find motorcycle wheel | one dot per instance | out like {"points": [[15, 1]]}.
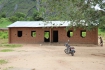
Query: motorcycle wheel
{"points": [[65, 51], [72, 53]]}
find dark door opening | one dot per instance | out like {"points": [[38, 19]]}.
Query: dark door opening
{"points": [[55, 36], [46, 36]]}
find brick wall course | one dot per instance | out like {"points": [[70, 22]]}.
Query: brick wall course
{"points": [[91, 36]]}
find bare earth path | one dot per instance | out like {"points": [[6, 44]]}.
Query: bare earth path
{"points": [[36, 57]]}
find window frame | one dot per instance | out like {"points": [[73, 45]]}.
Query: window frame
{"points": [[69, 33], [82, 33], [33, 33], [19, 33]]}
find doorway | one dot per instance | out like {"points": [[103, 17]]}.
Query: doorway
{"points": [[55, 36], [46, 36]]}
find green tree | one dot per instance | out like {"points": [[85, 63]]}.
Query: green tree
{"points": [[13, 19], [19, 15], [3, 15], [36, 16], [79, 12]]}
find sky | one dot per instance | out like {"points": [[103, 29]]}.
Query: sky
{"points": [[97, 6]]}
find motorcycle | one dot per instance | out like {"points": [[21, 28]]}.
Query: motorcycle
{"points": [[69, 49]]}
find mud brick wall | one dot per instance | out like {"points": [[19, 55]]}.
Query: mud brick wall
{"points": [[91, 36]]}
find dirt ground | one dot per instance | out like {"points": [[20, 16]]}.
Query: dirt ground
{"points": [[49, 57]]}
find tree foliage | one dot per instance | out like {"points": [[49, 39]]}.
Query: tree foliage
{"points": [[17, 17], [13, 19], [77, 11], [37, 16], [3, 15]]}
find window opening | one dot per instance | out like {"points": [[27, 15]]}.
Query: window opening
{"points": [[46, 36], [19, 34], [83, 33], [70, 33], [33, 33]]}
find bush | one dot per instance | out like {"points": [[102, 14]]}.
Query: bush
{"points": [[3, 15], [37, 16], [21, 19], [29, 19], [13, 19], [19, 15], [4, 22], [3, 35]]}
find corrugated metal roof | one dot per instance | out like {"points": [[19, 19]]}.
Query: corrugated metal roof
{"points": [[40, 24]]}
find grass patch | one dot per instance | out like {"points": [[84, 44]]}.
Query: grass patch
{"points": [[6, 50], [10, 45], [1, 45], [4, 35], [3, 41], [8, 68], [101, 33], [3, 62]]}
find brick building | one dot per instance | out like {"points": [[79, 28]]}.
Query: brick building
{"points": [[31, 32]]}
